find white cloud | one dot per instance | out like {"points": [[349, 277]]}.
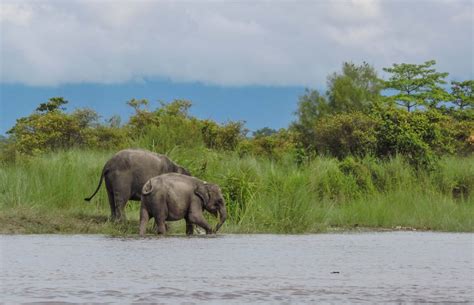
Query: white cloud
{"points": [[15, 13], [226, 43]]}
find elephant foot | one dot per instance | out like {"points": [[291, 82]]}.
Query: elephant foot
{"points": [[210, 231]]}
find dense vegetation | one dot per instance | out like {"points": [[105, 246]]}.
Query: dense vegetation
{"points": [[367, 153]]}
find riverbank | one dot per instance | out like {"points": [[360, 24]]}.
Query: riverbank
{"points": [[25, 221], [45, 194], [20, 223]]}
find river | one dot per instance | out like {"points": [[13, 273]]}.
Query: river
{"points": [[239, 269]]}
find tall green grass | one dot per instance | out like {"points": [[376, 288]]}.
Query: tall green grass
{"points": [[45, 194]]}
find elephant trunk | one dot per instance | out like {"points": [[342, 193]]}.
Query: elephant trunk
{"points": [[223, 217]]}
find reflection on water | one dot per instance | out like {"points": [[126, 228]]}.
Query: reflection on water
{"points": [[369, 267]]}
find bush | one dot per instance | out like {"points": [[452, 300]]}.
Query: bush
{"points": [[41, 132], [170, 132], [273, 146], [345, 134], [420, 136], [49, 128], [104, 137], [222, 137], [455, 177], [361, 173], [329, 182], [462, 134]]}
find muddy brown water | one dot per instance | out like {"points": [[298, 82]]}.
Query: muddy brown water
{"points": [[239, 269]]}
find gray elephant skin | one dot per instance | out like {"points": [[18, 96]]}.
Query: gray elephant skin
{"points": [[172, 196], [126, 173]]}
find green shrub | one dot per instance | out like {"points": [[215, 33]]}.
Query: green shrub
{"points": [[169, 133], [455, 176], [360, 172], [330, 183], [41, 132], [273, 146], [50, 128], [392, 174], [420, 136], [345, 134], [104, 137], [222, 137]]}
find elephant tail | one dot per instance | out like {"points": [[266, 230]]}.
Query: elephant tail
{"points": [[147, 188], [98, 187]]}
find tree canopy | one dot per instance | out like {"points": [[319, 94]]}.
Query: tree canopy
{"points": [[463, 94], [354, 89], [416, 85]]}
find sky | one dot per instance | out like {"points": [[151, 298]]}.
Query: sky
{"points": [[235, 60]]}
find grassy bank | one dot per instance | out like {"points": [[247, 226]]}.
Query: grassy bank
{"points": [[45, 194]]}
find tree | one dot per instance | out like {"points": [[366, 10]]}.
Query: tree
{"points": [[274, 144], [462, 93], [137, 104], [53, 104], [436, 96], [222, 137], [86, 117], [142, 117], [50, 128], [416, 84], [47, 131], [355, 89], [264, 132], [311, 107], [114, 121], [175, 108]]}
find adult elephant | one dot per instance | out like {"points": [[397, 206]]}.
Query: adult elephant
{"points": [[172, 196], [126, 173]]}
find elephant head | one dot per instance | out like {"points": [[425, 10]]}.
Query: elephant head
{"points": [[212, 200], [183, 171]]}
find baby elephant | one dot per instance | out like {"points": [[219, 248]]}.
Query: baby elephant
{"points": [[174, 196]]}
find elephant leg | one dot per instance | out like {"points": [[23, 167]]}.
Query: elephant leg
{"points": [[160, 212], [144, 217], [198, 219], [118, 185], [121, 197], [189, 227], [160, 225], [167, 226], [195, 216], [120, 203], [110, 195]]}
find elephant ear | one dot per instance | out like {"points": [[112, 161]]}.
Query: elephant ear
{"points": [[147, 188], [202, 192]]}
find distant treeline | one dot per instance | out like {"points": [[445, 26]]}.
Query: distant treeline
{"points": [[414, 113], [361, 154]]}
